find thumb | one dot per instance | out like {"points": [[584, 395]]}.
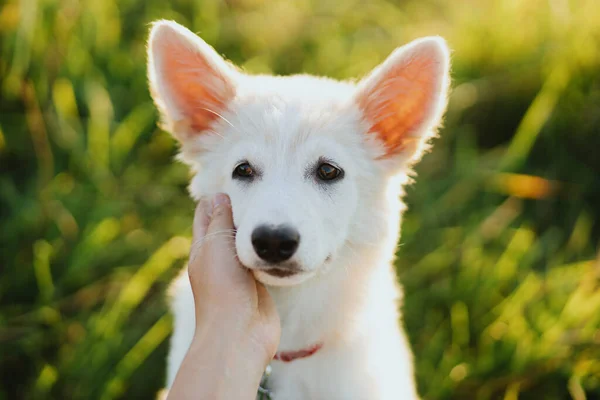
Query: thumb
{"points": [[266, 305]]}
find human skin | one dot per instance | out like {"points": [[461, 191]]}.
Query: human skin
{"points": [[237, 326]]}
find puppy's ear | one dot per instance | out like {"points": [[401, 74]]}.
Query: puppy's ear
{"points": [[404, 98], [189, 82]]}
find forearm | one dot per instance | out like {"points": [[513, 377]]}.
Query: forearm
{"points": [[219, 365]]}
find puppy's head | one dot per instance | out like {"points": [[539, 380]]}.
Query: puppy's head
{"points": [[306, 161]]}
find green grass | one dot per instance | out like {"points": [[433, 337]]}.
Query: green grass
{"points": [[499, 251]]}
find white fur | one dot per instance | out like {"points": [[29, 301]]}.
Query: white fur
{"points": [[348, 297]]}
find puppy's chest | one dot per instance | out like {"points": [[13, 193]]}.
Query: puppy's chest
{"points": [[316, 378], [319, 315]]}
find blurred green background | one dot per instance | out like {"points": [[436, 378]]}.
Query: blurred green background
{"points": [[499, 252]]}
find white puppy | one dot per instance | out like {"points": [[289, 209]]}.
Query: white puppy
{"points": [[314, 169]]}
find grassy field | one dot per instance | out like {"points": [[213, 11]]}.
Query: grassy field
{"points": [[499, 251]]}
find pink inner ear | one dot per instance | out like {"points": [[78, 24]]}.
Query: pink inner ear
{"points": [[200, 92], [401, 101]]}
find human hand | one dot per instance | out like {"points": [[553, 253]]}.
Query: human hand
{"points": [[237, 326], [226, 293]]}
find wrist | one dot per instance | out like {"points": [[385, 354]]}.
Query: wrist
{"points": [[235, 339], [224, 361], [245, 336], [236, 364]]}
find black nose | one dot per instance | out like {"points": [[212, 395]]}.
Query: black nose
{"points": [[275, 244]]}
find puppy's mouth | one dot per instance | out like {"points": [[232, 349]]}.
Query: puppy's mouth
{"points": [[284, 270], [281, 272], [281, 275]]}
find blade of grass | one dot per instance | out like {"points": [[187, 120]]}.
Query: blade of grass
{"points": [[135, 357]]}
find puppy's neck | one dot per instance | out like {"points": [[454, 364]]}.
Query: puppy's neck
{"points": [[339, 304]]}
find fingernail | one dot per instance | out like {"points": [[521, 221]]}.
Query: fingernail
{"points": [[220, 198]]}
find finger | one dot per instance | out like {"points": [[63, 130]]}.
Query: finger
{"points": [[221, 232], [266, 305], [269, 315], [202, 218], [221, 217], [220, 228], [200, 225]]}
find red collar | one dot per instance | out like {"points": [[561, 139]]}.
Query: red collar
{"points": [[287, 356]]}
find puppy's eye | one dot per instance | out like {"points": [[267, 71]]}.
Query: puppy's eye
{"points": [[327, 172], [243, 171]]}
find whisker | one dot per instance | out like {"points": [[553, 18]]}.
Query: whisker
{"points": [[197, 244], [223, 118]]}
